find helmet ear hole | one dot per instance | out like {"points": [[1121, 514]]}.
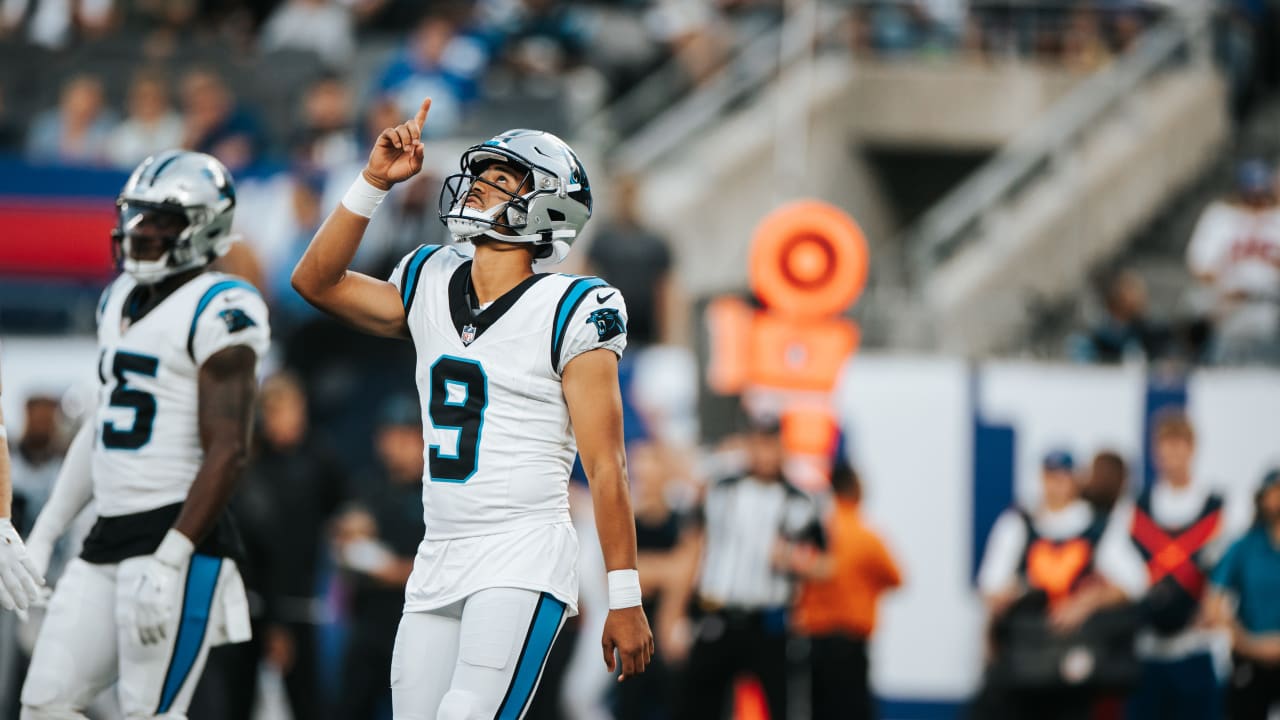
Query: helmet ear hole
{"points": [[555, 215]]}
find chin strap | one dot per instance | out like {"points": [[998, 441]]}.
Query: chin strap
{"points": [[559, 245]]}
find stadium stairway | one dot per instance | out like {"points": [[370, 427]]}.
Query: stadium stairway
{"points": [[1157, 250], [1080, 162], [779, 124], [1007, 247]]}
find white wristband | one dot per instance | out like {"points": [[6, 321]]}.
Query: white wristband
{"points": [[362, 198], [4, 434], [175, 549], [624, 589]]}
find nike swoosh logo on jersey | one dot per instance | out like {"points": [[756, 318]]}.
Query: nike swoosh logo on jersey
{"points": [[601, 298]]}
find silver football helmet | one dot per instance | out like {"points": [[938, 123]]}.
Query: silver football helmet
{"points": [[550, 212], [188, 198]]}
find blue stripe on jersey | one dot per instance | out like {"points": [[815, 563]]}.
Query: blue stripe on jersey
{"points": [[533, 657], [412, 272], [577, 290], [102, 301], [193, 624], [209, 295]]}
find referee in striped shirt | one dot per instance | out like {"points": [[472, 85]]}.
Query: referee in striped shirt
{"points": [[742, 595]]}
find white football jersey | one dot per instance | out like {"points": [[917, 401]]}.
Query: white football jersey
{"points": [[1240, 248], [499, 444], [147, 447]]}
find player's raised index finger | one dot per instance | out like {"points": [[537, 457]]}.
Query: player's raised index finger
{"points": [[421, 117]]}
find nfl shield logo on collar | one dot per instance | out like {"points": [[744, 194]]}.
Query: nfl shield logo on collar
{"points": [[468, 334]]}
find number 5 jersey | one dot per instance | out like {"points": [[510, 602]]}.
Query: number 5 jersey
{"points": [[147, 447], [499, 442]]}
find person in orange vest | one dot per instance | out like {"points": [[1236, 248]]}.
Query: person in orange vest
{"points": [[1158, 551], [836, 607], [1035, 560]]}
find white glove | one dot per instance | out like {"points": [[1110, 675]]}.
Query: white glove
{"points": [[159, 585], [41, 553], [20, 580], [366, 555]]}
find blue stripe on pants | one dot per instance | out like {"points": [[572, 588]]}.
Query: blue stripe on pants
{"points": [[197, 602], [537, 646]]}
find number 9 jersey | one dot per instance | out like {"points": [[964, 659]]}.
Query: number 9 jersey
{"points": [[499, 442], [147, 450]]}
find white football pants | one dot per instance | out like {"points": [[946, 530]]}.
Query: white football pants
{"points": [[477, 659], [89, 640]]}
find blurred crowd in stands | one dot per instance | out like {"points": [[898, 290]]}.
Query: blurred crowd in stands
{"points": [[102, 82]]}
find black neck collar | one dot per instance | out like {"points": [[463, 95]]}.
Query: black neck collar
{"points": [[469, 323], [145, 298]]}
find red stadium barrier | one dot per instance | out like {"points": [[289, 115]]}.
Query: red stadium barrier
{"points": [[56, 238]]}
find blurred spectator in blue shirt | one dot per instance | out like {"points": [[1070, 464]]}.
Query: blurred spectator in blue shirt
{"points": [[288, 309], [216, 124], [438, 62], [77, 132], [1247, 594], [152, 125]]}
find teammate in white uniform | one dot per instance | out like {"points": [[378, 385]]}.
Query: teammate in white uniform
{"points": [[1235, 251], [20, 579], [156, 584], [516, 372]]}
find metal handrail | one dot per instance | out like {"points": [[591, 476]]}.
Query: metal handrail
{"points": [[647, 97], [755, 65], [941, 231]]}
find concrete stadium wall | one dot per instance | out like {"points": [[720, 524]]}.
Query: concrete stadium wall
{"points": [[709, 195], [1042, 245]]}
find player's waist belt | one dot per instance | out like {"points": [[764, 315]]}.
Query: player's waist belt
{"points": [[120, 537]]}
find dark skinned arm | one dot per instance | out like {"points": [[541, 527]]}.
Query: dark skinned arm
{"points": [[226, 392], [590, 383]]}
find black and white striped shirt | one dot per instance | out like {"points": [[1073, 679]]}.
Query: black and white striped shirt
{"points": [[743, 519]]}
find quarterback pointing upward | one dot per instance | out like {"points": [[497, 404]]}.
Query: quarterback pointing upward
{"points": [[513, 368]]}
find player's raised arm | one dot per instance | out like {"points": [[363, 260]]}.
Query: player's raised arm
{"points": [[590, 383], [322, 276]]}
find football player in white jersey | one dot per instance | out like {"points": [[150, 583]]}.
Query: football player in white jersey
{"points": [[516, 372], [156, 584], [20, 579]]}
